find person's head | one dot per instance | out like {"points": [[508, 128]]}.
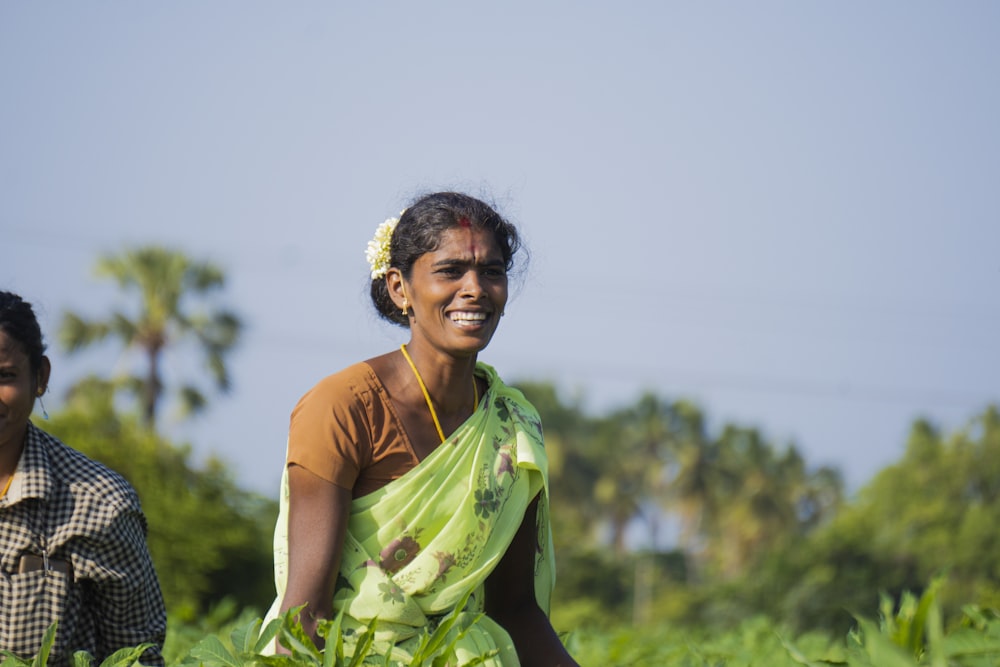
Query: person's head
{"points": [[445, 276], [18, 321], [24, 368], [420, 230]]}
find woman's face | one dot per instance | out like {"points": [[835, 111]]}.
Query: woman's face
{"points": [[18, 387], [457, 293]]}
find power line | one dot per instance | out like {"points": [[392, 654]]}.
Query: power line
{"points": [[685, 378]]}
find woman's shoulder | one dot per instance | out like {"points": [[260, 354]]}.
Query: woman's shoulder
{"points": [[497, 386], [357, 384], [511, 395]]}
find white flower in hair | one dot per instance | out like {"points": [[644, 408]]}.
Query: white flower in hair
{"points": [[377, 253]]}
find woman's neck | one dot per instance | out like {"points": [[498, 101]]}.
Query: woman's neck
{"points": [[10, 455], [448, 379]]}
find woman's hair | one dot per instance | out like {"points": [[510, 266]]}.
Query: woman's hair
{"points": [[18, 321], [420, 229]]}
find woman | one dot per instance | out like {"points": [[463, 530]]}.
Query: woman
{"points": [[417, 478], [72, 534]]}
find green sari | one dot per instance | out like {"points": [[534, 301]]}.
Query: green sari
{"points": [[416, 547]]}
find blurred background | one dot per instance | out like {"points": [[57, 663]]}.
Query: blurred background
{"points": [[768, 229]]}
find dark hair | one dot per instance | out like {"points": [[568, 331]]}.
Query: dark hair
{"points": [[18, 321], [419, 231]]}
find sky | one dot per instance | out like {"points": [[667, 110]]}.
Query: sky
{"points": [[787, 212]]}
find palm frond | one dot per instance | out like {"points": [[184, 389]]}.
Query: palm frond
{"points": [[76, 333]]}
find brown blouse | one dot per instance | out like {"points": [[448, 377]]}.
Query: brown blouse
{"points": [[346, 431]]}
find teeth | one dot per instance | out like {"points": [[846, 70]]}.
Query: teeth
{"points": [[468, 317]]}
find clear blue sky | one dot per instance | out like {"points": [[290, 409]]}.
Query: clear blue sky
{"points": [[787, 211]]}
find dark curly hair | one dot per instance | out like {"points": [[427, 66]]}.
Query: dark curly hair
{"points": [[419, 231], [17, 320]]}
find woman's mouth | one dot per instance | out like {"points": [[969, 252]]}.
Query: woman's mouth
{"points": [[466, 318]]}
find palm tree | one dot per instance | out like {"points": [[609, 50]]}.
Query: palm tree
{"points": [[767, 498], [165, 280], [696, 481], [636, 445], [618, 490]]}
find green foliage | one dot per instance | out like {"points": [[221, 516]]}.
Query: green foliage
{"points": [[654, 465], [40, 659], [184, 632], [735, 494], [915, 634], [246, 646], [759, 530], [934, 511], [125, 657], [208, 539], [910, 634]]}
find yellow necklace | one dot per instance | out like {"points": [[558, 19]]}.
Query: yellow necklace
{"points": [[427, 396], [6, 487]]}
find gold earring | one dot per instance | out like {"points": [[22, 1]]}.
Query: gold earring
{"points": [[405, 313]]}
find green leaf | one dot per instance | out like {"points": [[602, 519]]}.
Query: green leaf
{"points": [[448, 652], [481, 659], [926, 609], [11, 660], [882, 650], [293, 637], [333, 655], [935, 635], [245, 638], [48, 639], [441, 632], [364, 646], [300, 646], [126, 657], [280, 660], [82, 659], [212, 651], [797, 655], [267, 635], [966, 643]]}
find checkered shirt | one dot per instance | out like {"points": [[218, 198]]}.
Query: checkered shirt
{"points": [[73, 549]]}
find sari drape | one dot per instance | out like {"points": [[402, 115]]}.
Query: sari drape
{"points": [[416, 547]]}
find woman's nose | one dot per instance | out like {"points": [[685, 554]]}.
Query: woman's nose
{"points": [[472, 284]]}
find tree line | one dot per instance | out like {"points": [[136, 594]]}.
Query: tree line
{"points": [[753, 528]]}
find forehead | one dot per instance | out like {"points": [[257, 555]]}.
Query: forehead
{"points": [[468, 242], [11, 349]]}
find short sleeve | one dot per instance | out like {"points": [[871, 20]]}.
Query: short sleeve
{"points": [[329, 432], [129, 606]]}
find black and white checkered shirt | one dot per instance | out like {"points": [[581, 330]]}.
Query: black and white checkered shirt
{"points": [[73, 549]]}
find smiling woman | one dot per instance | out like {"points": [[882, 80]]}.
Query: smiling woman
{"points": [[418, 479]]}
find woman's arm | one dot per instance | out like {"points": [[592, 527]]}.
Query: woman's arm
{"points": [[510, 601], [317, 522]]}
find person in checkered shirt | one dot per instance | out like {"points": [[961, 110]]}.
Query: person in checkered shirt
{"points": [[72, 533]]}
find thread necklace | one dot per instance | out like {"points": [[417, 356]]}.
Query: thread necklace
{"points": [[427, 396], [6, 487]]}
